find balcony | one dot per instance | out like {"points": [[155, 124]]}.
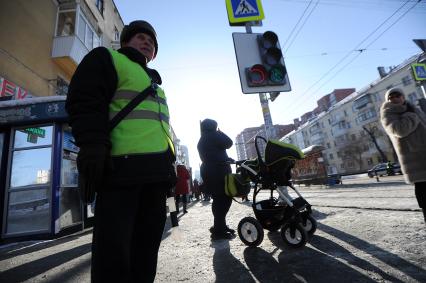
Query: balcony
{"points": [[340, 128], [68, 51], [367, 116], [363, 101], [317, 138]]}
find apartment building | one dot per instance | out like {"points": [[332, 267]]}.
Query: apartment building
{"points": [[350, 129], [41, 44], [245, 141]]}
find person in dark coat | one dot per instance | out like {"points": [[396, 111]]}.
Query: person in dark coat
{"points": [[215, 166]]}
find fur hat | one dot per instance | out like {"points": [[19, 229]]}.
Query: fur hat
{"points": [[392, 91], [136, 27]]}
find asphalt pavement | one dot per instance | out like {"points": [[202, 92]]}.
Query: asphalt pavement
{"points": [[368, 231]]}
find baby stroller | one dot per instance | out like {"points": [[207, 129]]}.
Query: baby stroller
{"points": [[273, 173]]}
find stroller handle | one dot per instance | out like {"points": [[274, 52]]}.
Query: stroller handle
{"points": [[257, 149]]}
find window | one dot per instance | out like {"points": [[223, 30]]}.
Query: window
{"points": [[87, 34], [366, 115], [406, 81], [370, 161], [331, 156], [328, 145], [353, 137], [61, 86], [116, 34], [66, 23], [100, 6], [412, 97]]}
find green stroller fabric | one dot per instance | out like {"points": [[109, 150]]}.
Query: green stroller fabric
{"points": [[280, 157], [236, 185], [277, 151]]}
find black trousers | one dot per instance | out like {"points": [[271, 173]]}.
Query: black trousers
{"points": [[220, 207], [420, 190], [127, 233], [178, 199]]}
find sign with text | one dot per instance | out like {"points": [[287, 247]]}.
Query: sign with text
{"points": [[11, 91]]}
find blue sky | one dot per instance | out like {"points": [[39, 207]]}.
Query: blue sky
{"points": [[196, 56]]}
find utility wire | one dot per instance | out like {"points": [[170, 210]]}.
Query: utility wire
{"points": [[348, 3], [294, 28], [361, 50], [304, 22], [357, 47]]}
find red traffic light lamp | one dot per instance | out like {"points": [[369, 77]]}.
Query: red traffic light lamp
{"points": [[257, 75]]}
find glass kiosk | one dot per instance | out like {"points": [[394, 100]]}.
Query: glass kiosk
{"points": [[38, 171]]}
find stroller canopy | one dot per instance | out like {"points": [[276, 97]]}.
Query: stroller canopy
{"points": [[277, 151]]}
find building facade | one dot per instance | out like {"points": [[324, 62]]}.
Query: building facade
{"points": [[350, 129], [41, 44], [245, 141]]}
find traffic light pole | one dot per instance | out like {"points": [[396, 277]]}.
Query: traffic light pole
{"points": [[264, 103]]}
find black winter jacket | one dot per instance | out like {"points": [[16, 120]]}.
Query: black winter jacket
{"points": [[90, 92], [212, 148]]}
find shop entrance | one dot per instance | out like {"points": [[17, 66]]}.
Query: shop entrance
{"points": [[28, 183]]}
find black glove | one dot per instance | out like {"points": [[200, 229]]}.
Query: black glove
{"points": [[91, 164]]}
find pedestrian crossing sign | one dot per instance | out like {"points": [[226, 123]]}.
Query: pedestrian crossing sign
{"points": [[419, 71], [240, 11]]}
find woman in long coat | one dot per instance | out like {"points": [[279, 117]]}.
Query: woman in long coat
{"points": [[212, 148], [406, 126]]}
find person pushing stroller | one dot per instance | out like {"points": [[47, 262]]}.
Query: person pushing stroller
{"points": [[215, 165]]}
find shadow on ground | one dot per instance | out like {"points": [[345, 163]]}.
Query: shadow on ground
{"points": [[34, 268]]}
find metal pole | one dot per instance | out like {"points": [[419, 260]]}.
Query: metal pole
{"points": [[269, 126]]}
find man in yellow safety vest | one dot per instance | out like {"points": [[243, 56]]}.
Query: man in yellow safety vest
{"points": [[129, 166]]}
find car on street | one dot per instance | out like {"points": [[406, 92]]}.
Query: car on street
{"points": [[381, 169]]}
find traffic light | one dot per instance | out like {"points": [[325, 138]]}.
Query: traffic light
{"points": [[260, 63], [271, 71]]}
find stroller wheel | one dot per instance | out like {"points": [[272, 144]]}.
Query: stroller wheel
{"points": [[250, 231], [310, 225], [294, 235]]}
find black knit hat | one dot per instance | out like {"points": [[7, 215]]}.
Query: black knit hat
{"points": [[138, 27]]}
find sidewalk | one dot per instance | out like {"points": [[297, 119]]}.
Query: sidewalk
{"points": [[360, 245]]}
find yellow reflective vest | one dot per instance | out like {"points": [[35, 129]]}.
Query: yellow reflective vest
{"points": [[146, 129]]}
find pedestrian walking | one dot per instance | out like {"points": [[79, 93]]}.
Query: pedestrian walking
{"points": [[182, 187], [406, 126], [196, 190], [129, 166], [215, 165]]}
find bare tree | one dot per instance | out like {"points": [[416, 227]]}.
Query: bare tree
{"points": [[372, 132], [351, 150]]}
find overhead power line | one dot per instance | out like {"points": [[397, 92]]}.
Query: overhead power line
{"points": [[303, 24], [357, 47], [353, 59], [295, 26]]}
